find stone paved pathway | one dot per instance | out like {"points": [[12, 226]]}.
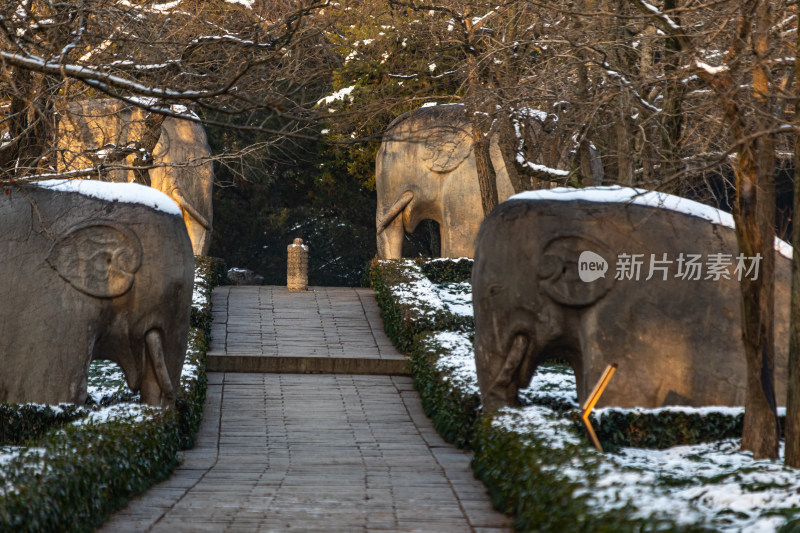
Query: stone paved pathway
{"points": [[325, 329], [314, 453]]}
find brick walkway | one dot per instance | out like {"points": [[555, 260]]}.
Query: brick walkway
{"points": [[315, 452], [326, 329]]}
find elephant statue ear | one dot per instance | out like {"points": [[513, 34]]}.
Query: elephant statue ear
{"points": [[558, 269], [447, 149], [98, 258]]}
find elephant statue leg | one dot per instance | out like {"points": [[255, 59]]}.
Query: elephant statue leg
{"points": [[390, 228]]}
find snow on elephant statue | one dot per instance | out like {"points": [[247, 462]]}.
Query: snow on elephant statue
{"points": [[425, 170], [616, 275], [91, 270], [93, 131]]}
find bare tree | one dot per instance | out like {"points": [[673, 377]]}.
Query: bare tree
{"points": [[625, 91], [257, 68], [748, 95]]}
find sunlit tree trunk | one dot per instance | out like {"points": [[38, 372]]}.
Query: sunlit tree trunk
{"points": [[755, 231], [792, 453]]}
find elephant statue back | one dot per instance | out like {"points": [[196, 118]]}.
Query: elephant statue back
{"points": [[95, 132]]}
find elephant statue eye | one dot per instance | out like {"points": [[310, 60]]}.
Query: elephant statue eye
{"points": [[494, 289]]}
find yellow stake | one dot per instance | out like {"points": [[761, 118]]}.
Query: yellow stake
{"points": [[592, 401]]}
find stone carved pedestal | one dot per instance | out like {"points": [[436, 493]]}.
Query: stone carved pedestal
{"points": [[297, 266]]}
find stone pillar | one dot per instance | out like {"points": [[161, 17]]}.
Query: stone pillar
{"points": [[297, 266]]}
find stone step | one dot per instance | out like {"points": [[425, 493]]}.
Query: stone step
{"points": [[228, 362]]}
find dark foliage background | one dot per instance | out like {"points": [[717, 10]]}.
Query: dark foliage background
{"points": [[324, 195]]}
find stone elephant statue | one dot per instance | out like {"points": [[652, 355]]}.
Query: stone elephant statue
{"points": [[425, 169], [89, 273], [90, 130], [555, 277]]}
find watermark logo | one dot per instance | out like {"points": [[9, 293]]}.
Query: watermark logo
{"points": [[684, 266], [591, 266]]}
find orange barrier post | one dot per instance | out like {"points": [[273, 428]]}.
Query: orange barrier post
{"points": [[592, 401]]}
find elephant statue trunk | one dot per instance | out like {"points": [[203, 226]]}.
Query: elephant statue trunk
{"points": [[391, 228], [157, 388], [502, 386]]}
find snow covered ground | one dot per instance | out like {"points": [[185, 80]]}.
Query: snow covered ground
{"points": [[714, 484]]}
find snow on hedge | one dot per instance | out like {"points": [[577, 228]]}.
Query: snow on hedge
{"points": [[129, 193], [455, 298], [132, 413], [457, 363], [714, 485], [630, 195]]}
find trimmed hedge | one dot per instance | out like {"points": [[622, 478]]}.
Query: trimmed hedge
{"points": [[80, 473], [444, 270], [23, 423], [211, 272], [86, 472], [665, 428], [453, 410], [524, 477], [521, 472], [405, 318]]}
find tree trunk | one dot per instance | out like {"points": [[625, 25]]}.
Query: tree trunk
{"points": [[144, 157], [792, 453], [672, 109], [624, 142], [487, 179], [755, 212], [481, 135], [755, 235], [507, 149]]}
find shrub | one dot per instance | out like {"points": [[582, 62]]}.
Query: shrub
{"points": [[444, 270], [409, 304], [22, 423]]}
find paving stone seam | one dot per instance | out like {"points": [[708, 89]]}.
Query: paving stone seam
{"points": [[360, 451], [375, 438], [366, 319], [203, 475], [263, 521], [435, 458]]}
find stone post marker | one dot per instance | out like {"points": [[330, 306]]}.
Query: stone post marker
{"points": [[297, 266]]}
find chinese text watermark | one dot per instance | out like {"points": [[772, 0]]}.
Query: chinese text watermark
{"points": [[689, 267]]}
